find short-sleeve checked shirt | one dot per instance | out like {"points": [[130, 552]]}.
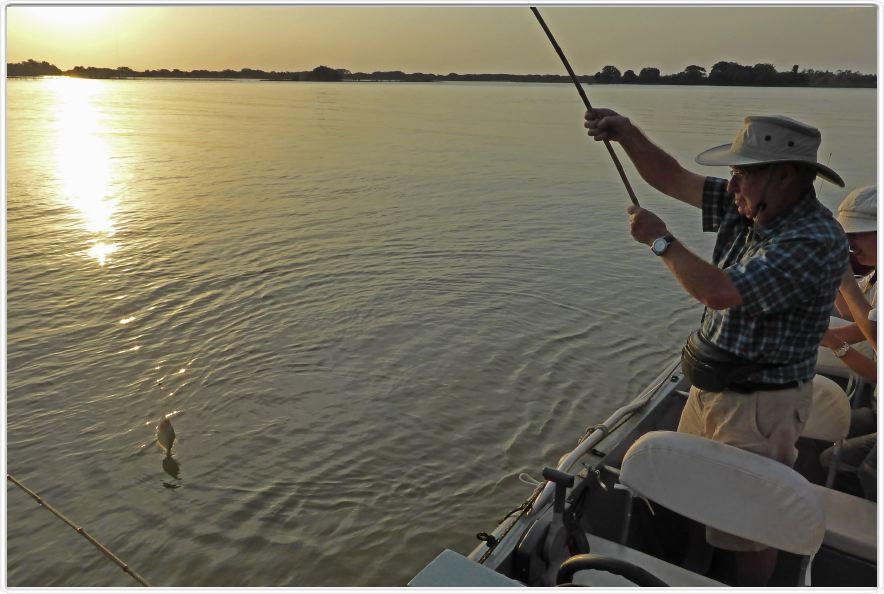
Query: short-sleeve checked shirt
{"points": [[787, 274]]}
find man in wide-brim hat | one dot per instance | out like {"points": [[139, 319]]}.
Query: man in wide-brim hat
{"points": [[777, 262]]}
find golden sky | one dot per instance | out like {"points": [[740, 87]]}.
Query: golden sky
{"points": [[439, 39]]}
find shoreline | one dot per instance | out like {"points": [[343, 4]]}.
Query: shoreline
{"points": [[406, 81]]}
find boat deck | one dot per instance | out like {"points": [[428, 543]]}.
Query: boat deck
{"points": [[668, 544]]}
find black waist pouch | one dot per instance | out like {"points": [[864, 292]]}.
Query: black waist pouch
{"points": [[711, 368]]}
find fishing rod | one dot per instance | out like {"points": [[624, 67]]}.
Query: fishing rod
{"points": [[585, 102], [80, 531]]}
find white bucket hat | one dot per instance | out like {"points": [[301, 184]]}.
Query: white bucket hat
{"points": [[858, 212], [764, 140]]}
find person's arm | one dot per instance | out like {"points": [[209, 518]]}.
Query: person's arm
{"points": [[849, 333], [855, 360], [861, 364], [842, 308], [703, 281], [859, 307], [657, 167]]}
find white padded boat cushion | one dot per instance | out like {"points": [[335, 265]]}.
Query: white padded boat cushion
{"points": [[727, 488], [829, 417], [850, 523]]}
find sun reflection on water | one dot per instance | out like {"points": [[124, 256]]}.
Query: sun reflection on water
{"points": [[101, 250], [84, 168]]}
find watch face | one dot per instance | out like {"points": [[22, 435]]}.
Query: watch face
{"points": [[659, 246]]}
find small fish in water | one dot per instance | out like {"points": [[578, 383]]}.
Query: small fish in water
{"points": [[166, 435]]}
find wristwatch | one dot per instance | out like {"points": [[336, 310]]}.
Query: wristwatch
{"points": [[661, 244], [841, 350]]}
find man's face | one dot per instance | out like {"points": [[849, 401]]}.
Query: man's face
{"points": [[748, 184], [864, 247]]}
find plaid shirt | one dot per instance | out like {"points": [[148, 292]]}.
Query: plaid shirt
{"points": [[787, 274]]}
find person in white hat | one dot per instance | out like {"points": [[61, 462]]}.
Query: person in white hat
{"points": [[776, 266], [858, 216]]}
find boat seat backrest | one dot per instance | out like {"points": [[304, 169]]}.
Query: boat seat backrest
{"points": [[851, 523], [829, 418], [727, 488]]}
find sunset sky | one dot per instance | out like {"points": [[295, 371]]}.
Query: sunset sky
{"points": [[440, 40]]}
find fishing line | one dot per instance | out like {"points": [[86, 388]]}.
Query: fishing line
{"points": [[585, 102], [80, 531]]}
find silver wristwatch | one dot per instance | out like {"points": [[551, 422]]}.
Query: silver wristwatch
{"points": [[841, 350], [661, 244]]}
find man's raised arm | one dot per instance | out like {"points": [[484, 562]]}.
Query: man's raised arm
{"points": [[657, 167]]}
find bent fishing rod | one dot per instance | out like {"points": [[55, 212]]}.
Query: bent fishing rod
{"points": [[585, 102], [80, 531]]}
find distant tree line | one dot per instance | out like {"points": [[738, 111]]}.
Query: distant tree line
{"points": [[32, 68], [722, 74], [733, 74]]}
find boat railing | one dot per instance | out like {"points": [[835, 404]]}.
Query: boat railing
{"points": [[600, 431]]}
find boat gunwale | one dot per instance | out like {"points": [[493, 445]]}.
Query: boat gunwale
{"points": [[540, 500]]}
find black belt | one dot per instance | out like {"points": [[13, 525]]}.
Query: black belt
{"points": [[749, 387]]}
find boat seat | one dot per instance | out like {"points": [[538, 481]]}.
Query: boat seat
{"points": [[829, 418], [673, 575], [850, 523], [727, 488]]}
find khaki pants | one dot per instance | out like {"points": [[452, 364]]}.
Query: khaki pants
{"points": [[766, 423]]}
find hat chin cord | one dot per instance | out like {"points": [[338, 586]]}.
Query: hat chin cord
{"points": [[762, 204]]}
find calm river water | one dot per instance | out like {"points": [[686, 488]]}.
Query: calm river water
{"points": [[370, 305]]}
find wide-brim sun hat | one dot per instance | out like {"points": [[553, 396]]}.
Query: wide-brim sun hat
{"points": [[765, 140], [858, 212]]}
